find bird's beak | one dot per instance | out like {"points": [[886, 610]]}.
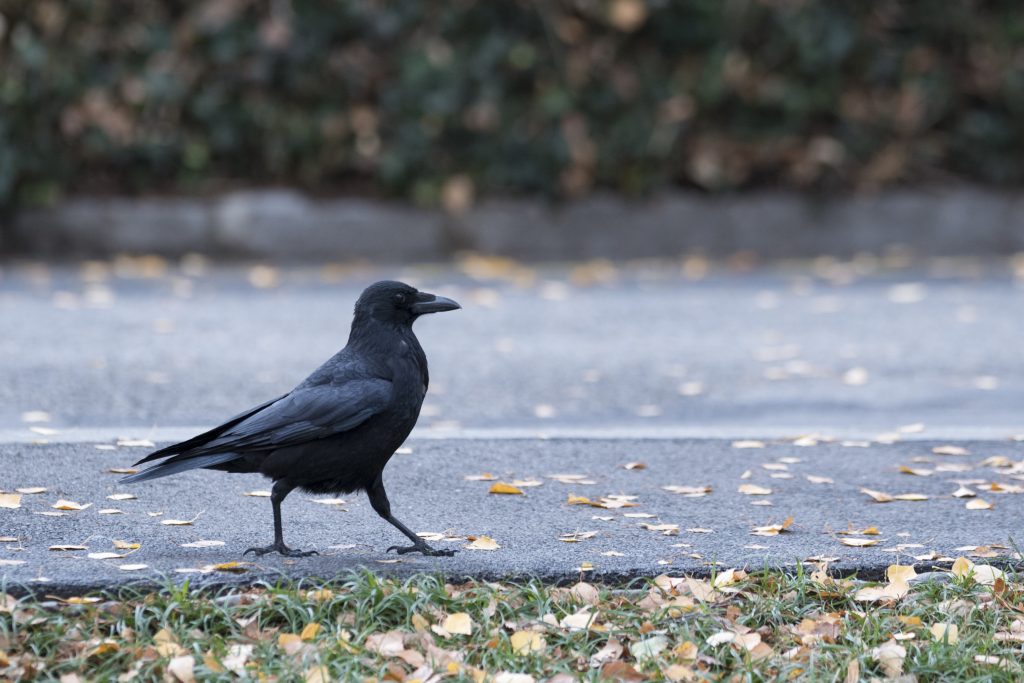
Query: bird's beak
{"points": [[431, 303]]}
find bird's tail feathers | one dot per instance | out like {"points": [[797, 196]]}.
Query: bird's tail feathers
{"points": [[179, 464]]}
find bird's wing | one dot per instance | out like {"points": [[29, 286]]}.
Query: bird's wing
{"points": [[208, 436], [306, 414]]}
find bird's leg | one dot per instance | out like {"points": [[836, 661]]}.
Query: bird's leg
{"points": [[277, 495], [381, 505]]}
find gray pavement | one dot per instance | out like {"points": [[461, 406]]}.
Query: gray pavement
{"points": [[548, 370]]}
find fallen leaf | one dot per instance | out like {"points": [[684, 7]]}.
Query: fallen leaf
{"points": [[754, 490], [202, 544], [634, 466], [63, 548], [486, 476], [945, 632], [920, 472], [525, 642], [859, 542], [720, 638], [182, 668], [126, 545], [310, 631], [179, 522], [772, 529], [105, 556], [257, 494], [483, 543], [110, 511], [890, 656], [504, 489], [122, 496], [964, 492], [459, 623], [289, 642], [135, 443], [950, 450], [327, 501], [978, 504], [10, 501], [30, 490], [648, 648], [69, 505], [238, 656], [689, 491], [749, 443], [132, 567], [819, 480], [122, 470]]}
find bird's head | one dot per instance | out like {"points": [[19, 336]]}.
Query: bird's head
{"points": [[397, 302]]}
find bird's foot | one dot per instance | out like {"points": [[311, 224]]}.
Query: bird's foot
{"points": [[280, 548], [420, 548]]}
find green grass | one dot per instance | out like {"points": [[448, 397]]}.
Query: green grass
{"points": [[803, 627]]}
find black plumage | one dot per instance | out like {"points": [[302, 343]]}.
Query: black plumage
{"points": [[334, 432]]}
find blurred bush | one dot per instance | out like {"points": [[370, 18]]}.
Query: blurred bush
{"points": [[437, 100]]}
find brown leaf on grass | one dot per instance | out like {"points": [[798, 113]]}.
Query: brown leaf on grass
{"points": [[387, 644], [505, 489], [890, 656], [609, 652], [181, 669]]}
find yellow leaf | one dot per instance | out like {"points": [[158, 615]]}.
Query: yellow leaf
{"points": [[949, 633], [69, 505], [103, 648], [525, 642], [898, 573], [978, 504], [167, 644], [125, 545], [878, 496], [754, 490], [483, 543], [459, 623], [309, 631], [10, 501], [506, 489], [579, 500]]}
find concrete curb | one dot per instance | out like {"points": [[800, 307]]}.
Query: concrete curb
{"points": [[285, 225]]}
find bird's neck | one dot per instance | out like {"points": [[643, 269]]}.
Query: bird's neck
{"points": [[372, 335]]}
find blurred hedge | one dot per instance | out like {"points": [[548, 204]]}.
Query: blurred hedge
{"points": [[438, 99]]}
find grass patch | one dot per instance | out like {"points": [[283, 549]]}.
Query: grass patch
{"points": [[760, 627]]}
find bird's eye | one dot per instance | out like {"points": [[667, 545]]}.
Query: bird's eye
{"points": [[399, 298]]}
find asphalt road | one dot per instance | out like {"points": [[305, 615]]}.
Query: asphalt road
{"points": [[430, 492], [559, 369]]}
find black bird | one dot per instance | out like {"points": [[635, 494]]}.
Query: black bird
{"points": [[334, 432]]}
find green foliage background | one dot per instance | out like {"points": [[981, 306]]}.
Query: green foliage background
{"points": [[553, 97]]}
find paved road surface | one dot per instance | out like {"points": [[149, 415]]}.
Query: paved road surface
{"points": [[640, 363]]}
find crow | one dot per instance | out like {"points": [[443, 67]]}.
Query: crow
{"points": [[334, 432]]}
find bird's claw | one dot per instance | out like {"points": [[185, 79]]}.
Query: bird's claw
{"points": [[420, 548], [281, 548]]}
